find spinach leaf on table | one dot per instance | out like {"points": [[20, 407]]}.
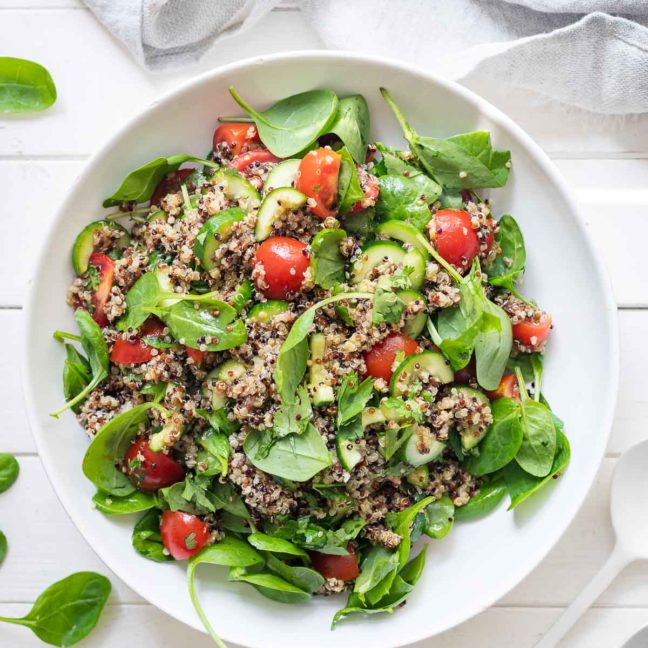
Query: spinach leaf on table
{"points": [[76, 374], [145, 293], [401, 198], [68, 610], [349, 189], [3, 546], [487, 500], [464, 161], [326, 259], [351, 125], [25, 86], [146, 538], [507, 267], [9, 470], [133, 503], [294, 123]]}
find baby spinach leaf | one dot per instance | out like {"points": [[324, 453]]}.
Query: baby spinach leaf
{"points": [[492, 345], [213, 459], [460, 162], [218, 420], [525, 363], [265, 542], [9, 469], [401, 198], [196, 326], [401, 522], [438, 518], [502, 441], [351, 125], [146, 538], [487, 500], [294, 123], [145, 293], [451, 199], [76, 374], [138, 186], [25, 86], [271, 586], [107, 449], [521, 485], [508, 266], [68, 610], [133, 503], [326, 259], [376, 565], [94, 344], [352, 397], [305, 578], [294, 457], [349, 189], [3, 547]]}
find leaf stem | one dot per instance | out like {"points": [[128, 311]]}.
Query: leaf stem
{"points": [[191, 573], [20, 621], [246, 106], [440, 260], [81, 395], [60, 336], [521, 384], [236, 120], [407, 129]]}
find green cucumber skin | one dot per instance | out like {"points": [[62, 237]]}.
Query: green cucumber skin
{"points": [[374, 255], [274, 205], [83, 246], [431, 361], [267, 311]]}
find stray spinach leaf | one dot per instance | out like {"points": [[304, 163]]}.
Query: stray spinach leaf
{"points": [[349, 189], [3, 547], [294, 123], [146, 538], [326, 259], [351, 125], [25, 86], [9, 470], [133, 503], [508, 266], [68, 610]]}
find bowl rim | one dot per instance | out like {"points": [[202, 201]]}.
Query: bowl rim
{"points": [[497, 116]]}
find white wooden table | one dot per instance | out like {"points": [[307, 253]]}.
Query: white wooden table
{"points": [[99, 87]]}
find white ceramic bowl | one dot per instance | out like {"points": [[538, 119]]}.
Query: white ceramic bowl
{"points": [[478, 562]]}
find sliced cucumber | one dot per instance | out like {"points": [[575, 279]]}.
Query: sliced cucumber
{"points": [[421, 448], [158, 215], [274, 206], [348, 452], [237, 188], [242, 295], [282, 175], [267, 311], [415, 260], [408, 372], [472, 435], [415, 324], [406, 233], [213, 233], [84, 243], [321, 392], [419, 477], [372, 416], [229, 371], [374, 255]]}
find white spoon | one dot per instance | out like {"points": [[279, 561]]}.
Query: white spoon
{"points": [[630, 520]]}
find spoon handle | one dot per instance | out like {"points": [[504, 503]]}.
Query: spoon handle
{"points": [[615, 563]]}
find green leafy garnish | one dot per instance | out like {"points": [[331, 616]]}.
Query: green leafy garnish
{"points": [[25, 86], [9, 470]]}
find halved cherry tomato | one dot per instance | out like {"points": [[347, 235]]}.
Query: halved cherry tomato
{"points": [[239, 137], [284, 260], [169, 184], [533, 333], [508, 388], [183, 535], [371, 188], [242, 162], [106, 267], [454, 237], [196, 355], [149, 470], [318, 179], [343, 568], [380, 358], [136, 351]]}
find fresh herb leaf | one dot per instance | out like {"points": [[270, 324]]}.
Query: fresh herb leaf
{"points": [[145, 293], [326, 259], [349, 189], [146, 538], [294, 123], [387, 305], [351, 125], [507, 267], [68, 610], [352, 397], [9, 470], [133, 503], [76, 374], [312, 536], [25, 86]]}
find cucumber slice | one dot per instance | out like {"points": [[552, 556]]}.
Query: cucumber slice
{"points": [[321, 392], [275, 205], [406, 233], [372, 416], [228, 372], [237, 188], [267, 311], [407, 373], [415, 324], [421, 448], [419, 477], [472, 435], [215, 231], [415, 260], [373, 255], [242, 296], [84, 243], [347, 451], [282, 175]]}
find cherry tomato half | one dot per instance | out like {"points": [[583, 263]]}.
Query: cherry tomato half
{"points": [[171, 183], [242, 162], [344, 568], [106, 267], [183, 535], [508, 388], [239, 137], [284, 261], [149, 470], [454, 237], [318, 179], [380, 358], [533, 333], [136, 351], [371, 188]]}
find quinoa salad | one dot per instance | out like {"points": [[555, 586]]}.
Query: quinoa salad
{"points": [[301, 354]]}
